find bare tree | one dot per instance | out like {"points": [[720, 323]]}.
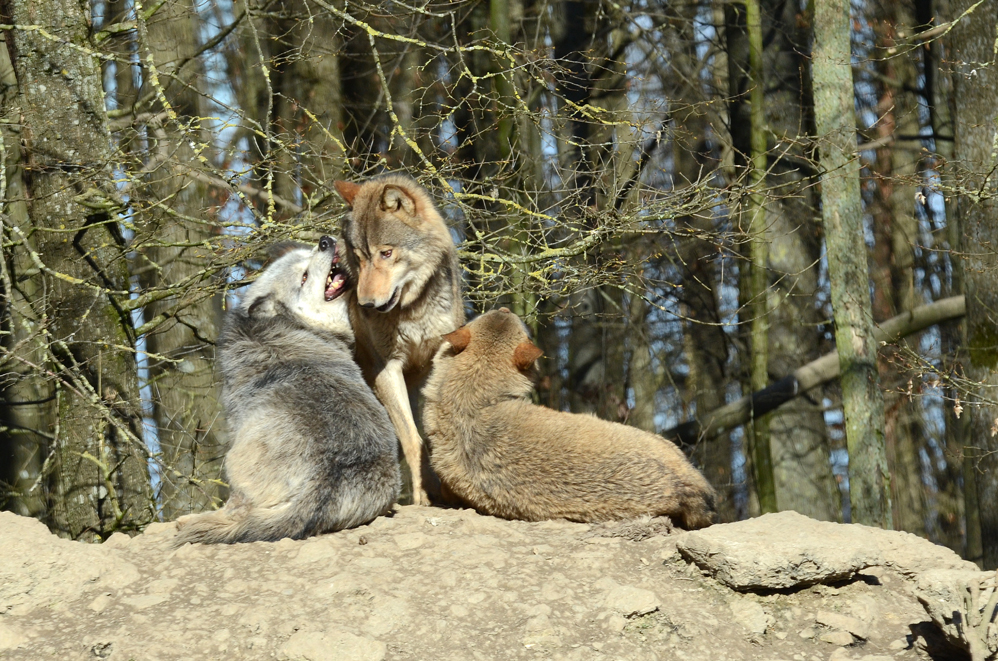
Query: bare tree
{"points": [[67, 291], [862, 399], [976, 85]]}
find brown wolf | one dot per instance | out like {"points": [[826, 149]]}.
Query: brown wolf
{"points": [[401, 255], [507, 457]]}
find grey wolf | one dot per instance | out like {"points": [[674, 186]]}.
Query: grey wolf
{"points": [[313, 451], [408, 294], [506, 457]]}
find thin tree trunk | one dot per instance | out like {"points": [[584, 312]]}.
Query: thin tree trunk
{"points": [[185, 392], [799, 442], [896, 234], [842, 213], [641, 374], [759, 256], [961, 467]]}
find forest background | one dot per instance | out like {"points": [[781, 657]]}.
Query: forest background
{"points": [[655, 187]]}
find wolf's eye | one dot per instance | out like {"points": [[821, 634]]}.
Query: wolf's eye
{"points": [[304, 277], [385, 254]]}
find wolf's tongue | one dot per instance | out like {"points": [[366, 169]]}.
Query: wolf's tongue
{"points": [[334, 286]]}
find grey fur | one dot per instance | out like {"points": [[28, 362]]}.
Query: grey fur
{"points": [[313, 450]]}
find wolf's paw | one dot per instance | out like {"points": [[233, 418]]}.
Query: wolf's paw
{"points": [[420, 498]]}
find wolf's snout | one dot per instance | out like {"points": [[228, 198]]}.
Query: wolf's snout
{"points": [[367, 305], [326, 242]]}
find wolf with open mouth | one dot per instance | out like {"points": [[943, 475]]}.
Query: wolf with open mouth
{"points": [[313, 450]]}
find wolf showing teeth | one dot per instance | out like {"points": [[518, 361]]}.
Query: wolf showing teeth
{"points": [[313, 450]]}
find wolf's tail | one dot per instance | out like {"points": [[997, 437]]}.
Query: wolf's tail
{"points": [[295, 519], [698, 508]]}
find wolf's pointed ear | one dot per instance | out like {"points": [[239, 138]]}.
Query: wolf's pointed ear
{"points": [[396, 198], [459, 339], [347, 190], [282, 248], [525, 354]]}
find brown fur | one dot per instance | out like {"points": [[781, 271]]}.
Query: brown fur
{"points": [[407, 295], [507, 457]]}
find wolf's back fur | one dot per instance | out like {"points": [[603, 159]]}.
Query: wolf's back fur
{"points": [[507, 457], [313, 450]]}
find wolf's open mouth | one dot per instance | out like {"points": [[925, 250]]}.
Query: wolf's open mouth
{"points": [[391, 302], [336, 280]]}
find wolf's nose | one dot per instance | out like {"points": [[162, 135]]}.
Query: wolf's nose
{"points": [[326, 242], [367, 305]]}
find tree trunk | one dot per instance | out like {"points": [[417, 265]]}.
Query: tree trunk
{"points": [[799, 443], [959, 504], [842, 214], [27, 414], [758, 294], [896, 234], [976, 87], [99, 480], [185, 392]]}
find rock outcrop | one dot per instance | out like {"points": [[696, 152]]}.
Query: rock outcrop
{"points": [[451, 584]]}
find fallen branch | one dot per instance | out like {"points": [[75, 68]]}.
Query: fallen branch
{"points": [[813, 374]]}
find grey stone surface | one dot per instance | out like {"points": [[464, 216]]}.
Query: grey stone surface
{"points": [[629, 601], [427, 584], [787, 550], [962, 603], [331, 646], [751, 615], [844, 623], [840, 638]]}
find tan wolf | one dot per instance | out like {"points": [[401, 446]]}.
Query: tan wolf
{"points": [[408, 294], [507, 457]]}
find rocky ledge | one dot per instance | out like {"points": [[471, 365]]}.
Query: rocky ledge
{"points": [[450, 584]]}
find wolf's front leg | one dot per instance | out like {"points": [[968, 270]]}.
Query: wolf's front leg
{"points": [[389, 386]]}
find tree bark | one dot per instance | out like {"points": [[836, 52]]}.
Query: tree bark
{"points": [[896, 231], [799, 442], [27, 413], [759, 256], [842, 214], [99, 481], [976, 87], [185, 393]]}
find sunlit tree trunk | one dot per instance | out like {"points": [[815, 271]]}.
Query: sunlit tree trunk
{"points": [[896, 230], [842, 214], [758, 432], [958, 506]]}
